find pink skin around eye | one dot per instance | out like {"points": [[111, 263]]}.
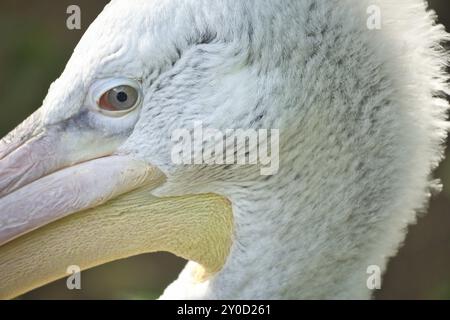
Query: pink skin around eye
{"points": [[103, 103]]}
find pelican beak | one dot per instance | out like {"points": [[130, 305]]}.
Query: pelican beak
{"points": [[49, 173], [44, 176]]}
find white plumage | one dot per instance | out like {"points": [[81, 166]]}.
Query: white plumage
{"points": [[359, 112]]}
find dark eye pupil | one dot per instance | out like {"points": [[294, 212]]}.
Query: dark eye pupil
{"points": [[122, 96]]}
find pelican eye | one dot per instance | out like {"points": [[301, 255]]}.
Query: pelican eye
{"points": [[120, 98], [116, 97]]}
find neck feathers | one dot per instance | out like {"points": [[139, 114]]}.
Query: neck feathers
{"points": [[361, 128]]}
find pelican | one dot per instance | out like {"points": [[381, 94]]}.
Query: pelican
{"points": [[89, 177]]}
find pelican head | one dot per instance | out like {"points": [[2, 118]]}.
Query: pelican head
{"points": [[90, 177]]}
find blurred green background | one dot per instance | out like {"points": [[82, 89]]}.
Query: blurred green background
{"points": [[34, 48]]}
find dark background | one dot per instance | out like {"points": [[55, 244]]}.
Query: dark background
{"points": [[34, 48]]}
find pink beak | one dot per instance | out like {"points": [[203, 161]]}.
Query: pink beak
{"points": [[47, 173]]}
